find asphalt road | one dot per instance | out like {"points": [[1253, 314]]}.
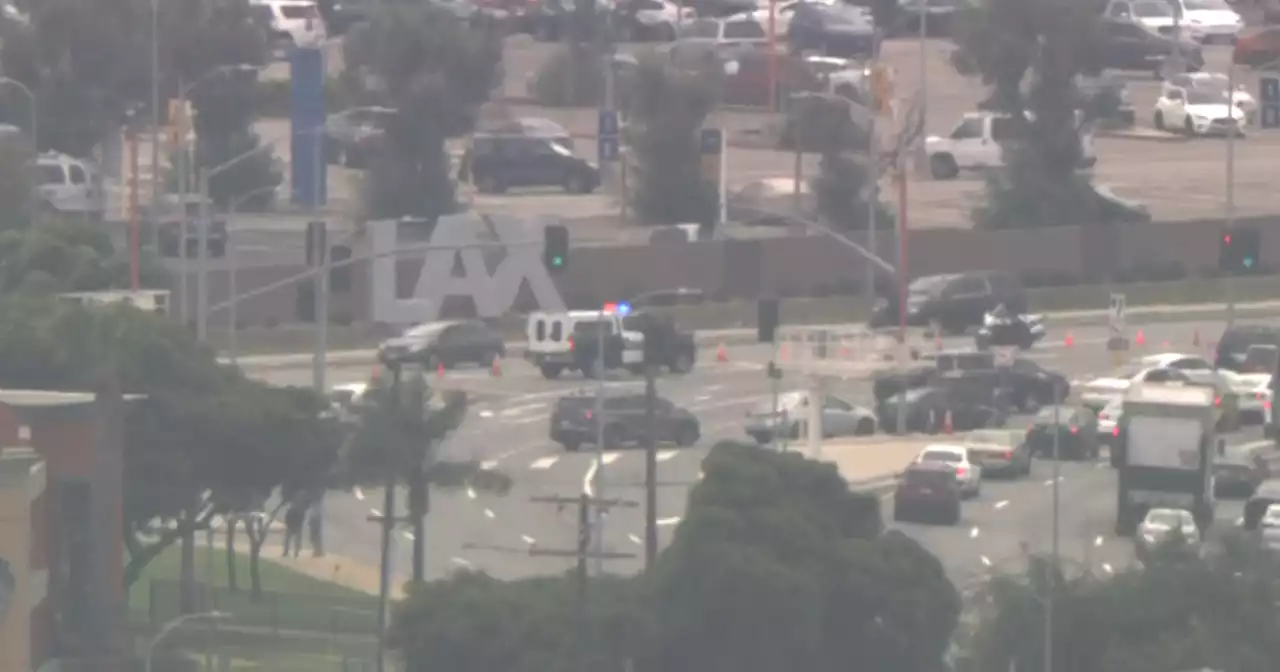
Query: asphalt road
{"points": [[507, 426]]}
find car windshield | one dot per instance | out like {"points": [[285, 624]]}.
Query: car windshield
{"points": [[1152, 9], [424, 330], [738, 30], [937, 455], [1205, 97], [928, 285], [1206, 5], [1049, 413], [1164, 518], [785, 401]]}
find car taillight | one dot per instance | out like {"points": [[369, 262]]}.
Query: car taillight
{"points": [[1261, 396], [589, 414], [1008, 454], [960, 471], [570, 342], [1217, 401], [1115, 431], [1075, 430]]}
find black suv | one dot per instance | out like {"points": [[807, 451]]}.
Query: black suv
{"points": [[1233, 347], [1076, 430], [928, 488], [497, 162], [955, 302], [1128, 45], [573, 423]]}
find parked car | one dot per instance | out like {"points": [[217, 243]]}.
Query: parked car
{"points": [[928, 489], [1127, 45], [839, 418], [290, 23], [1259, 48], [1154, 15], [573, 423], [352, 138], [67, 185], [639, 20], [977, 143], [1217, 82], [1239, 470], [968, 471], [1235, 343], [1109, 426], [954, 302], [749, 83], [732, 31], [1208, 20], [832, 30], [1266, 495], [1197, 112], [496, 163], [1075, 430], [999, 452]]}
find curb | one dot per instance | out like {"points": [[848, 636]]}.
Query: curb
{"points": [[1149, 136]]}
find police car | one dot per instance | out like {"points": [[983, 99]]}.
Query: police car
{"points": [[570, 340]]}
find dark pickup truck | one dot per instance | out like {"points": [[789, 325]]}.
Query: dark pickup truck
{"points": [[1024, 384]]}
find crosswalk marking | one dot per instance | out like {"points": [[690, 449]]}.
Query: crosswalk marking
{"points": [[609, 458], [664, 455], [544, 462]]}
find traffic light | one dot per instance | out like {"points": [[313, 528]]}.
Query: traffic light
{"points": [[555, 247], [1239, 249], [766, 320]]}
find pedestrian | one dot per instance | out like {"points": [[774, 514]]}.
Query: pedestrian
{"points": [[293, 520], [314, 523]]}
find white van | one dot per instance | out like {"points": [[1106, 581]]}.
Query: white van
{"points": [[68, 185]]}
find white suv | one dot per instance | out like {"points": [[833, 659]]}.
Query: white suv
{"points": [[67, 184], [291, 23]]}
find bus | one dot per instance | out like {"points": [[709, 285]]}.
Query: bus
{"points": [[1169, 438]]}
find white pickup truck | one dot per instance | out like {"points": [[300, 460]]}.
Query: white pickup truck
{"points": [[977, 143]]}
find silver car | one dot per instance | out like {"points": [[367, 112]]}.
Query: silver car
{"points": [[839, 418], [958, 457], [1164, 525]]}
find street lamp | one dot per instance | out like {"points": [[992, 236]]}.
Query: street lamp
{"points": [[232, 263], [31, 98], [174, 623], [184, 89]]}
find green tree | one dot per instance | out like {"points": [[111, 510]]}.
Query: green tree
{"points": [[202, 428], [823, 124], [1030, 55], [529, 625], [435, 71], [66, 254], [777, 565], [667, 111], [1182, 610]]}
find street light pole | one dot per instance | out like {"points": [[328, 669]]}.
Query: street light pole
{"points": [[597, 484], [1231, 183], [155, 110], [1052, 588]]}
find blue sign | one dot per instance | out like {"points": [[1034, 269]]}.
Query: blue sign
{"points": [[307, 123], [608, 124], [710, 141], [1270, 116], [1270, 90], [608, 148]]}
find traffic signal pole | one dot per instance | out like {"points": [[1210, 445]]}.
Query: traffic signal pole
{"points": [[1231, 187]]}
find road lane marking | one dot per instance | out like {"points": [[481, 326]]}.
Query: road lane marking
{"points": [[407, 535], [486, 413], [488, 513], [358, 493], [1098, 541], [664, 455], [471, 492], [1106, 567], [525, 421], [667, 522], [712, 388], [488, 465], [610, 458], [635, 539], [701, 397], [528, 540], [544, 462], [519, 410], [985, 560], [461, 562], [973, 533], [1002, 503]]}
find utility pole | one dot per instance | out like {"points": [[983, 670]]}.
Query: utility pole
{"points": [[388, 522], [650, 465], [419, 505], [588, 508]]}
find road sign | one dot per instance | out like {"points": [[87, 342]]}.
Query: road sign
{"points": [[1118, 336], [1269, 96], [607, 130]]}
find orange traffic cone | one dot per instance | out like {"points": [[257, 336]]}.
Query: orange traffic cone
{"points": [[722, 355], [947, 427], [496, 369], [440, 370], [1140, 339], [1195, 338], [1069, 340]]}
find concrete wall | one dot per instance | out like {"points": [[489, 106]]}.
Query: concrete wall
{"points": [[796, 266]]}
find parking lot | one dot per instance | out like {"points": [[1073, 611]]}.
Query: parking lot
{"points": [[1174, 177]]}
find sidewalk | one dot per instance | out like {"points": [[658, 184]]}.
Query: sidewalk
{"points": [[871, 464], [333, 568]]}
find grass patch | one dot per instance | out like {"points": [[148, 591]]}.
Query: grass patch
{"points": [[290, 599]]}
